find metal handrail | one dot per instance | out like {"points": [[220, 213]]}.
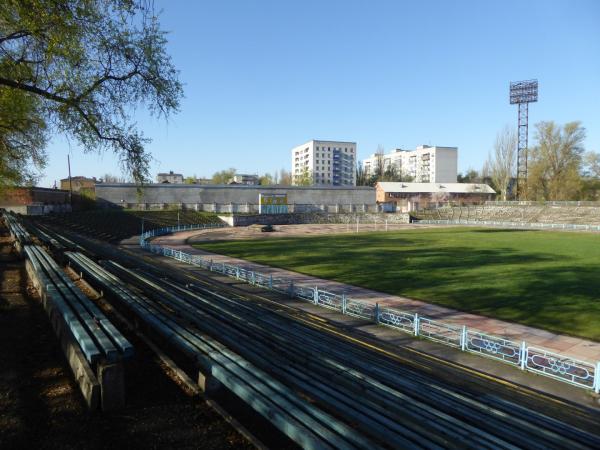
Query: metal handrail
{"points": [[544, 362]]}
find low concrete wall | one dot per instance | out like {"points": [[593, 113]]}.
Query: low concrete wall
{"points": [[38, 210], [308, 218]]}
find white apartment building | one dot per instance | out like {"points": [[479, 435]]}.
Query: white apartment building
{"points": [[426, 164], [329, 163]]}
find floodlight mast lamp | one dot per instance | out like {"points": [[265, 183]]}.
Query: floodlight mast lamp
{"points": [[522, 93]]}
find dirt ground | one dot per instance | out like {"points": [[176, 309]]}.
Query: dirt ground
{"points": [[253, 231], [41, 407]]}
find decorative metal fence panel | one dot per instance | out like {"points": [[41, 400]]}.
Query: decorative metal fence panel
{"points": [[244, 274], [230, 270], [281, 285], [304, 292], [439, 331], [397, 319], [492, 347], [360, 309], [570, 370], [261, 280], [544, 362], [201, 262], [329, 300]]}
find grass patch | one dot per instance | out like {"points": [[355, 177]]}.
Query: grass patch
{"points": [[543, 279]]}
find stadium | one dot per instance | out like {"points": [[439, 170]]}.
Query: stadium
{"points": [[357, 233]]}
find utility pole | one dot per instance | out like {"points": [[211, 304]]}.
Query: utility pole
{"points": [[70, 183]]}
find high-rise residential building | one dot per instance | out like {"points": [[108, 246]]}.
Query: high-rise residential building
{"points": [[329, 163], [426, 164]]}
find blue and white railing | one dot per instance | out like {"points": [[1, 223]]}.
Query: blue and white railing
{"points": [[544, 362]]}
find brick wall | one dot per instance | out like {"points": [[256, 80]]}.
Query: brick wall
{"points": [[26, 196]]}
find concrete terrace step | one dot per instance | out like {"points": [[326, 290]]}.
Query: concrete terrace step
{"points": [[588, 215]]}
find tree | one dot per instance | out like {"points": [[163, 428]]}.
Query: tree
{"points": [[591, 163], [304, 179], [590, 177], [555, 163], [502, 163], [223, 176], [266, 180], [380, 171], [361, 177], [109, 178], [470, 176], [379, 166], [190, 180], [285, 178], [22, 138], [81, 68], [393, 174]]}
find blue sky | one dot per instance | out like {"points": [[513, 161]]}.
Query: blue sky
{"points": [[263, 76]]}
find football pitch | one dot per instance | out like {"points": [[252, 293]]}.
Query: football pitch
{"points": [[543, 279]]}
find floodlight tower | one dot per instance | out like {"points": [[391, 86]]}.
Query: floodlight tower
{"points": [[523, 93]]}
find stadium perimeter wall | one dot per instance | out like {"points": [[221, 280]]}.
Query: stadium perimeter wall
{"points": [[235, 220], [235, 198]]}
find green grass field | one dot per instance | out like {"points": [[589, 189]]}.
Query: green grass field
{"points": [[548, 280]]}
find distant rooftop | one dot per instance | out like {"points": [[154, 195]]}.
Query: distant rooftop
{"points": [[78, 178], [164, 174]]}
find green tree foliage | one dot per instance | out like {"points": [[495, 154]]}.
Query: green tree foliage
{"points": [[266, 180], [304, 179], [590, 179], [22, 138], [82, 68], [381, 171], [591, 162], [361, 177], [590, 189], [470, 176], [223, 176], [556, 162], [392, 173]]}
